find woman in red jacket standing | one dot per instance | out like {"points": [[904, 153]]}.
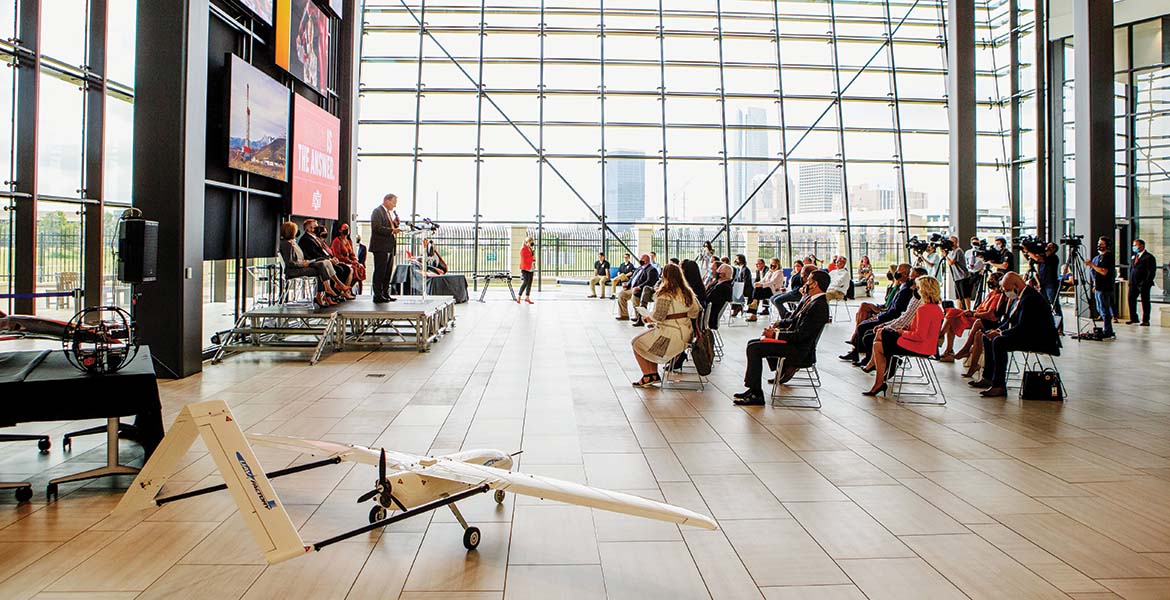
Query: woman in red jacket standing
{"points": [[921, 337], [527, 265]]}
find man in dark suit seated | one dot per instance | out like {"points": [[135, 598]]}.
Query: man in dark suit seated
{"points": [[893, 310], [793, 338], [1028, 327], [1142, 272], [314, 248]]}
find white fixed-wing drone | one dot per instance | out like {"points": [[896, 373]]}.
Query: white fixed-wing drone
{"points": [[411, 484]]}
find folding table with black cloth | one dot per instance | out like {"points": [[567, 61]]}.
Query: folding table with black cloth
{"points": [[41, 386]]}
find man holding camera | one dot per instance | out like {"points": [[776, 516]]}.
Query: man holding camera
{"points": [[1002, 258], [1104, 273], [964, 279]]}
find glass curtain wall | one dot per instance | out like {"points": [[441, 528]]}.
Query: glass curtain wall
{"points": [[62, 92], [774, 128], [1142, 108]]}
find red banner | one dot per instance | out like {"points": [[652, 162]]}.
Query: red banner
{"points": [[315, 159]]}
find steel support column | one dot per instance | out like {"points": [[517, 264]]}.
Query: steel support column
{"points": [[960, 39], [170, 154], [478, 141], [662, 106], [24, 225], [1093, 35], [1015, 181], [896, 108], [841, 136], [783, 131], [723, 128], [1057, 203], [348, 76], [1043, 82], [95, 138]]}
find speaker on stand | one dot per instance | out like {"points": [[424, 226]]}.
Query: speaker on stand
{"points": [[137, 253]]}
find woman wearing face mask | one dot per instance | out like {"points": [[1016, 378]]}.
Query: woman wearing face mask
{"points": [[527, 267], [957, 321], [766, 288], [920, 337], [1104, 276], [343, 249]]}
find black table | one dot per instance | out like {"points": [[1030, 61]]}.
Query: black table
{"points": [[55, 390], [448, 285], [407, 279]]}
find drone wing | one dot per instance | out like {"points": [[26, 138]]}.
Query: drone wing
{"points": [[561, 491], [395, 461]]}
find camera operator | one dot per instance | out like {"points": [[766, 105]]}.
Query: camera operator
{"points": [[1104, 274], [976, 266], [1047, 265], [1003, 261], [964, 279]]}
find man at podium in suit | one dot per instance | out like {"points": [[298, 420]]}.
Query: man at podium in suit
{"points": [[383, 227]]}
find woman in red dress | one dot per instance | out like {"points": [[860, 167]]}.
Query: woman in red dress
{"points": [[957, 321], [343, 249], [920, 338]]}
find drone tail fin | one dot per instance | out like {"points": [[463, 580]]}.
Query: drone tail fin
{"points": [[269, 523]]}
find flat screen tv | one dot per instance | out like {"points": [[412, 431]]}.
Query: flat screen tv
{"points": [[338, 8], [316, 156], [260, 8], [258, 119], [302, 42]]}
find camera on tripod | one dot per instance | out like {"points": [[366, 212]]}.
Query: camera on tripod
{"points": [[1072, 241], [1029, 243], [936, 240], [985, 252]]}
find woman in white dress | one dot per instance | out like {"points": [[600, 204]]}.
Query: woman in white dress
{"points": [[675, 306]]}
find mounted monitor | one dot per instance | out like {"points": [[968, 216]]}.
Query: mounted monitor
{"points": [[260, 8], [316, 159], [302, 42], [258, 122], [338, 8]]}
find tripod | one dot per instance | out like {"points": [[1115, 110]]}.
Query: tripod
{"points": [[1083, 295]]}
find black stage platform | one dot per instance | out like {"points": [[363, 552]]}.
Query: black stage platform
{"points": [[411, 322]]}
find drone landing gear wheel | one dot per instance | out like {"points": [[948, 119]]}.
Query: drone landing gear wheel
{"points": [[44, 445], [377, 513], [471, 538], [24, 494], [499, 496]]}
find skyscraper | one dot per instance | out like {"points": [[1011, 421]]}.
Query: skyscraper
{"points": [[625, 187], [747, 175], [820, 186]]}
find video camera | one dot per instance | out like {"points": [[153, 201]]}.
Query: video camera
{"points": [[1029, 243], [986, 253], [1072, 241], [918, 246]]}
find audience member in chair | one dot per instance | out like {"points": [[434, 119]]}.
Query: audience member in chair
{"points": [[956, 321], [920, 338], [343, 250], [295, 265], [692, 272], [675, 306], [600, 275], [865, 275], [625, 271], [793, 338], [792, 292], [1029, 328], [742, 274], [639, 290], [767, 287], [894, 309], [838, 281], [719, 294], [900, 324]]}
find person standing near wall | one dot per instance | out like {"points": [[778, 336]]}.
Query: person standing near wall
{"points": [[527, 267]]}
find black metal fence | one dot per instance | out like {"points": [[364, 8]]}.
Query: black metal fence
{"points": [[456, 243], [569, 252]]}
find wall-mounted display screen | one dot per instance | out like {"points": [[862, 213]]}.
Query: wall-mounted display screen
{"points": [[315, 160], [258, 122], [261, 8], [302, 42], [338, 8]]}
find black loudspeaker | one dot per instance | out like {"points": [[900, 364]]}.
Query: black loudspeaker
{"points": [[137, 250]]}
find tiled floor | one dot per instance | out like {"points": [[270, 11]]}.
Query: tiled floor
{"points": [[983, 498]]}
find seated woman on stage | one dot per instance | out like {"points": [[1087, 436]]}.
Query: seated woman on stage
{"points": [[769, 285], [343, 251], [921, 337], [330, 290], [956, 320], [675, 306], [432, 260]]}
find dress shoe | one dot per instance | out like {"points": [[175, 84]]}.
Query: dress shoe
{"points": [[1131, 322], [592, 295], [380, 300], [1145, 324], [622, 318], [947, 358], [881, 390], [391, 299], [638, 323], [742, 395], [980, 383], [752, 399], [994, 392], [850, 356]]}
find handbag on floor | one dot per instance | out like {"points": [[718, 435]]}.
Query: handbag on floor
{"points": [[1042, 385]]}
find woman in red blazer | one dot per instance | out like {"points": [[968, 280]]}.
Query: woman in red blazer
{"points": [[527, 266], [921, 337]]}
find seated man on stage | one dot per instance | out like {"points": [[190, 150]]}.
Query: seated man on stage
{"points": [[639, 289], [793, 338], [1029, 328], [600, 275], [625, 271], [314, 248], [893, 310]]}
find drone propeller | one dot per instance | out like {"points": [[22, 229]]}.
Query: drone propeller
{"points": [[382, 485]]}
